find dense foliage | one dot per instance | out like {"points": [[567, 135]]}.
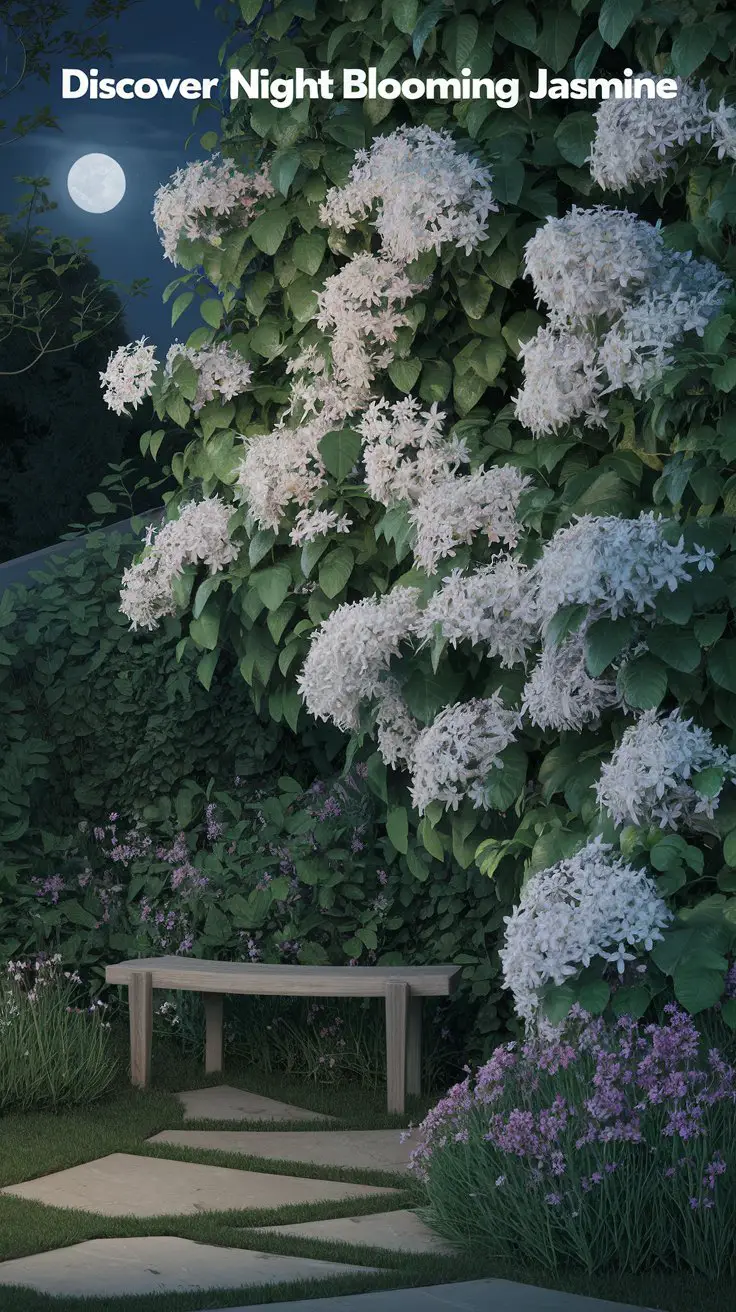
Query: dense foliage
{"points": [[454, 320]]}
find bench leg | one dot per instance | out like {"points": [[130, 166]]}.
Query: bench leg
{"points": [[397, 1008], [213, 1032], [140, 1005], [414, 1047]]}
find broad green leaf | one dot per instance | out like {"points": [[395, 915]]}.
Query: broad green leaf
{"points": [[690, 47], [675, 648], [205, 629], [643, 683], [404, 373], [283, 167], [272, 585], [514, 23], [211, 311], [180, 305], [574, 136], [206, 668], [335, 571], [593, 996], [308, 252], [558, 1001], [616, 17], [506, 780], [458, 39], [397, 828], [722, 664], [604, 641], [557, 38], [340, 450], [630, 1002], [698, 987], [426, 23], [267, 231]]}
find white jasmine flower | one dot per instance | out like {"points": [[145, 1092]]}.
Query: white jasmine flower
{"points": [[397, 730], [649, 778], [617, 566], [592, 262], [587, 906], [560, 694], [723, 130], [128, 378], [350, 652], [359, 308], [221, 371], [452, 510], [199, 536], [312, 524], [405, 449], [562, 381], [425, 191], [204, 199], [493, 606], [637, 141], [452, 757]]}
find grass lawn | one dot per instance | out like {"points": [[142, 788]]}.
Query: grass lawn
{"points": [[39, 1143]]}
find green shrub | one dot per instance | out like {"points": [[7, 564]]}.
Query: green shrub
{"points": [[606, 1148], [53, 1053]]}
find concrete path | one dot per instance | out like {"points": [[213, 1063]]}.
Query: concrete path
{"points": [[474, 1296], [159, 1265], [401, 1231], [222, 1103], [370, 1150]]}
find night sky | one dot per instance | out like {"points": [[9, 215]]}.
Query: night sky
{"points": [[156, 38]]}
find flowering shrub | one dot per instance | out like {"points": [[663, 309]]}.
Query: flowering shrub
{"points": [[414, 429], [606, 1148], [53, 1052]]}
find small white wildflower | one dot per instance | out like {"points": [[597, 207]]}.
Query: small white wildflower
{"points": [[396, 729], [649, 778], [350, 652], [452, 757], [199, 535], [203, 199], [425, 190], [590, 905], [453, 510], [128, 378], [493, 606], [312, 524], [562, 381], [638, 140], [405, 449], [360, 308], [221, 371], [560, 694]]}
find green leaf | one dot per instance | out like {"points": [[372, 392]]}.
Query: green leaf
{"points": [[211, 311], [426, 23], [593, 996], [283, 167], [708, 782], [557, 39], [459, 38], [206, 668], [729, 849], [340, 449], [728, 1013], [397, 828], [675, 648], [616, 17], [267, 231], [697, 986], [335, 571], [266, 340], [722, 664], [508, 181], [630, 1002], [515, 24], [436, 381], [206, 628], [558, 1001], [425, 692], [691, 45], [101, 504], [573, 137], [404, 373], [180, 305], [587, 56], [724, 375], [467, 391], [272, 585], [604, 641], [563, 623], [308, 252], [643, 683], [505, 781]]}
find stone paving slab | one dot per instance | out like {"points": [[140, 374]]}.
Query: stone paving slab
{"points": [[158, 1265], [223, 1103], [402, 1232], [371, 1150], [466, 1296], [124, 1184]]}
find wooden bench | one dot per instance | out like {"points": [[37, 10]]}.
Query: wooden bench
{"points": [[403, 987]]}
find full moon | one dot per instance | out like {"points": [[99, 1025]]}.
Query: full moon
{"points": [[96, 183]]}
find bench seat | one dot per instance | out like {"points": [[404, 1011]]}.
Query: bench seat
{"points": [[403, 988]]}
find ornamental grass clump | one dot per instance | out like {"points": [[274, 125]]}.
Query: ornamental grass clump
{"points": [[53, 1052], [610, 1147]]}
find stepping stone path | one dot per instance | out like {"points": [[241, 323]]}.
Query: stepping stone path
{"points": [[159, 1265], [126, 1185], [222, 1103], [370, 1150], [131, 1185], [401, 1231]]}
